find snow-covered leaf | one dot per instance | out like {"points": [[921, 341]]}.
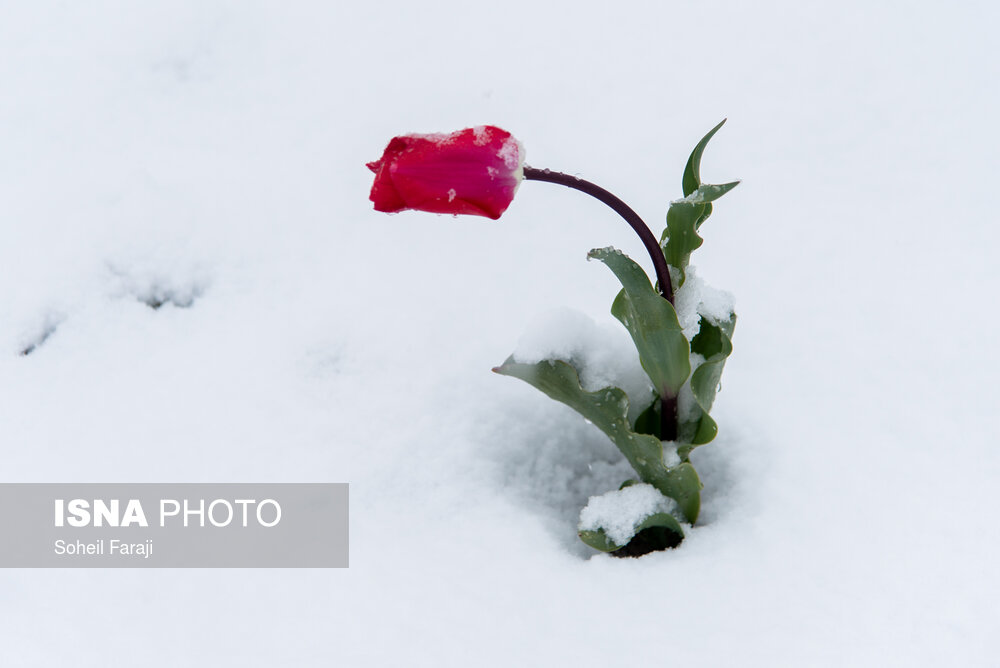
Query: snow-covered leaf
{"points": [[611, 521], [708, 193]]}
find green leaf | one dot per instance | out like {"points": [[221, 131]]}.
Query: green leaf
{"points": [[685, 216], [680, 238], [600, 541], [714, 344], [692, 170], [651, 321], [685, 489], [607, 409]]}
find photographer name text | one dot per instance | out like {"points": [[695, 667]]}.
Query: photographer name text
{"points": [[96, 548]]}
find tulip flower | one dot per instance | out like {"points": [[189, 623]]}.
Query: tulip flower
{"points": [[474, 171]]}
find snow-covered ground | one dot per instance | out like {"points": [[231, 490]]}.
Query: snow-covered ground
{"points": [[210, 156]]}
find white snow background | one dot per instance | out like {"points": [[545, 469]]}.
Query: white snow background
{"points": [[210, 155]]}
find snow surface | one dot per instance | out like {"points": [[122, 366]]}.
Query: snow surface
{"points": [[211, 155], [620, 511]]}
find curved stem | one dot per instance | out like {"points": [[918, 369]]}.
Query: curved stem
{"points": [[668, 404], [623, 210]]}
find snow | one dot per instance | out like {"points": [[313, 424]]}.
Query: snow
{"points": [[671, 458], [620, 512], [512, 153], [695, 298], [481, 135], [215, 150]]}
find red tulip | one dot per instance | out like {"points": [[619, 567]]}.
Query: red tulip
{"points": [[473, 171]]}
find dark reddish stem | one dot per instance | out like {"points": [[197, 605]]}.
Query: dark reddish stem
{"points": [[623, 210], [668, 406], [668, 418]]}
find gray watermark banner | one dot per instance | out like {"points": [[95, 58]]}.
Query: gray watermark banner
{"points": [[165, 525]]}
